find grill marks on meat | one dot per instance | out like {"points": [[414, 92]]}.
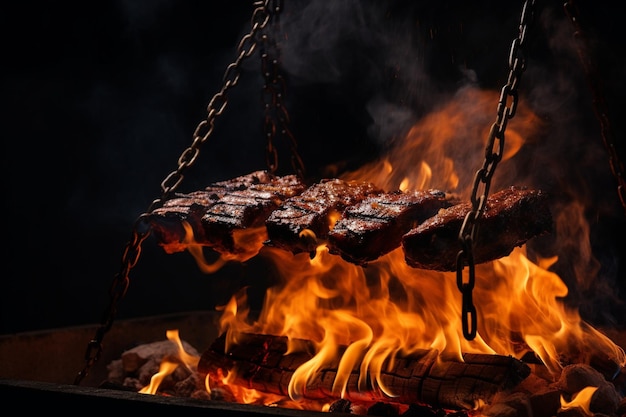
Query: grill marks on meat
{"points": [[213, 214], [511, 217], [356, 220], [375, 226], [168, 221], [244, 209], [302, 222]]}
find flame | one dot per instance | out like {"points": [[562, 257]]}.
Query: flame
{"points": [[388, 308], [247, 243], [581, 399], [444, 149], [248, 395], [165, 368], [169, 364], [190, 361]]}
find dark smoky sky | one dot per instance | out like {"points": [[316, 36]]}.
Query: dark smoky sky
{"points": [[101, 99]]}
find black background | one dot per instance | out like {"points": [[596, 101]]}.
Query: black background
{"points": [[101, 98]]}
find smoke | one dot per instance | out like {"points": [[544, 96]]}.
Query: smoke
{"points": [[401, 60], [365, 49]]}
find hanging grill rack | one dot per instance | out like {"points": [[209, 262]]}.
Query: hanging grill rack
{"points": [[262, 15], [276, 123]]}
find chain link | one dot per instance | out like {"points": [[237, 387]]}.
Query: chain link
{"points": [[277, 119], [599, 103], [140, 230], [117, 291], [218, 103], [507, 106]]}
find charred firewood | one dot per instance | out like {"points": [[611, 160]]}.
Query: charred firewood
{"points": [[302, 222], [263, 363], [374, 227], [511, 217], [237, 202]]}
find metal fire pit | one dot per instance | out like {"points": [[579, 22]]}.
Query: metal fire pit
{"points": [[37, 369]]}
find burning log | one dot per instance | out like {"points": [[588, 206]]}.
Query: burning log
{"points": [[302, 222], [511, 217], [264, 363], [375, 226]]}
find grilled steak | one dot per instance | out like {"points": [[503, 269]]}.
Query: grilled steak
{"points": [[168, 221], [245, 208], [302, 222], [511, 217], [374, 227]]}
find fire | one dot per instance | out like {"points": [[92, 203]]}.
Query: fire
{"points": [[169, 364], [247, 395], [582, 400], [444, 149], [248, 242], [166, 368], [388, 308]]}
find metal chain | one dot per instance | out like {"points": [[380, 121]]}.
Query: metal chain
{"points": [[469, 229], [218, 103], [140, 231], [117, 291], [274, 88], [600, 106]]}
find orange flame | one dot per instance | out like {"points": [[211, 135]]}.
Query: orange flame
{"points": [[190, 361], [444, 149], [169, 364], [389, 308], [581, 399], [165, 368], [247, 242]]}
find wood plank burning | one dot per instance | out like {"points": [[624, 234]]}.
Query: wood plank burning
{"points": [[262, 362]]}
